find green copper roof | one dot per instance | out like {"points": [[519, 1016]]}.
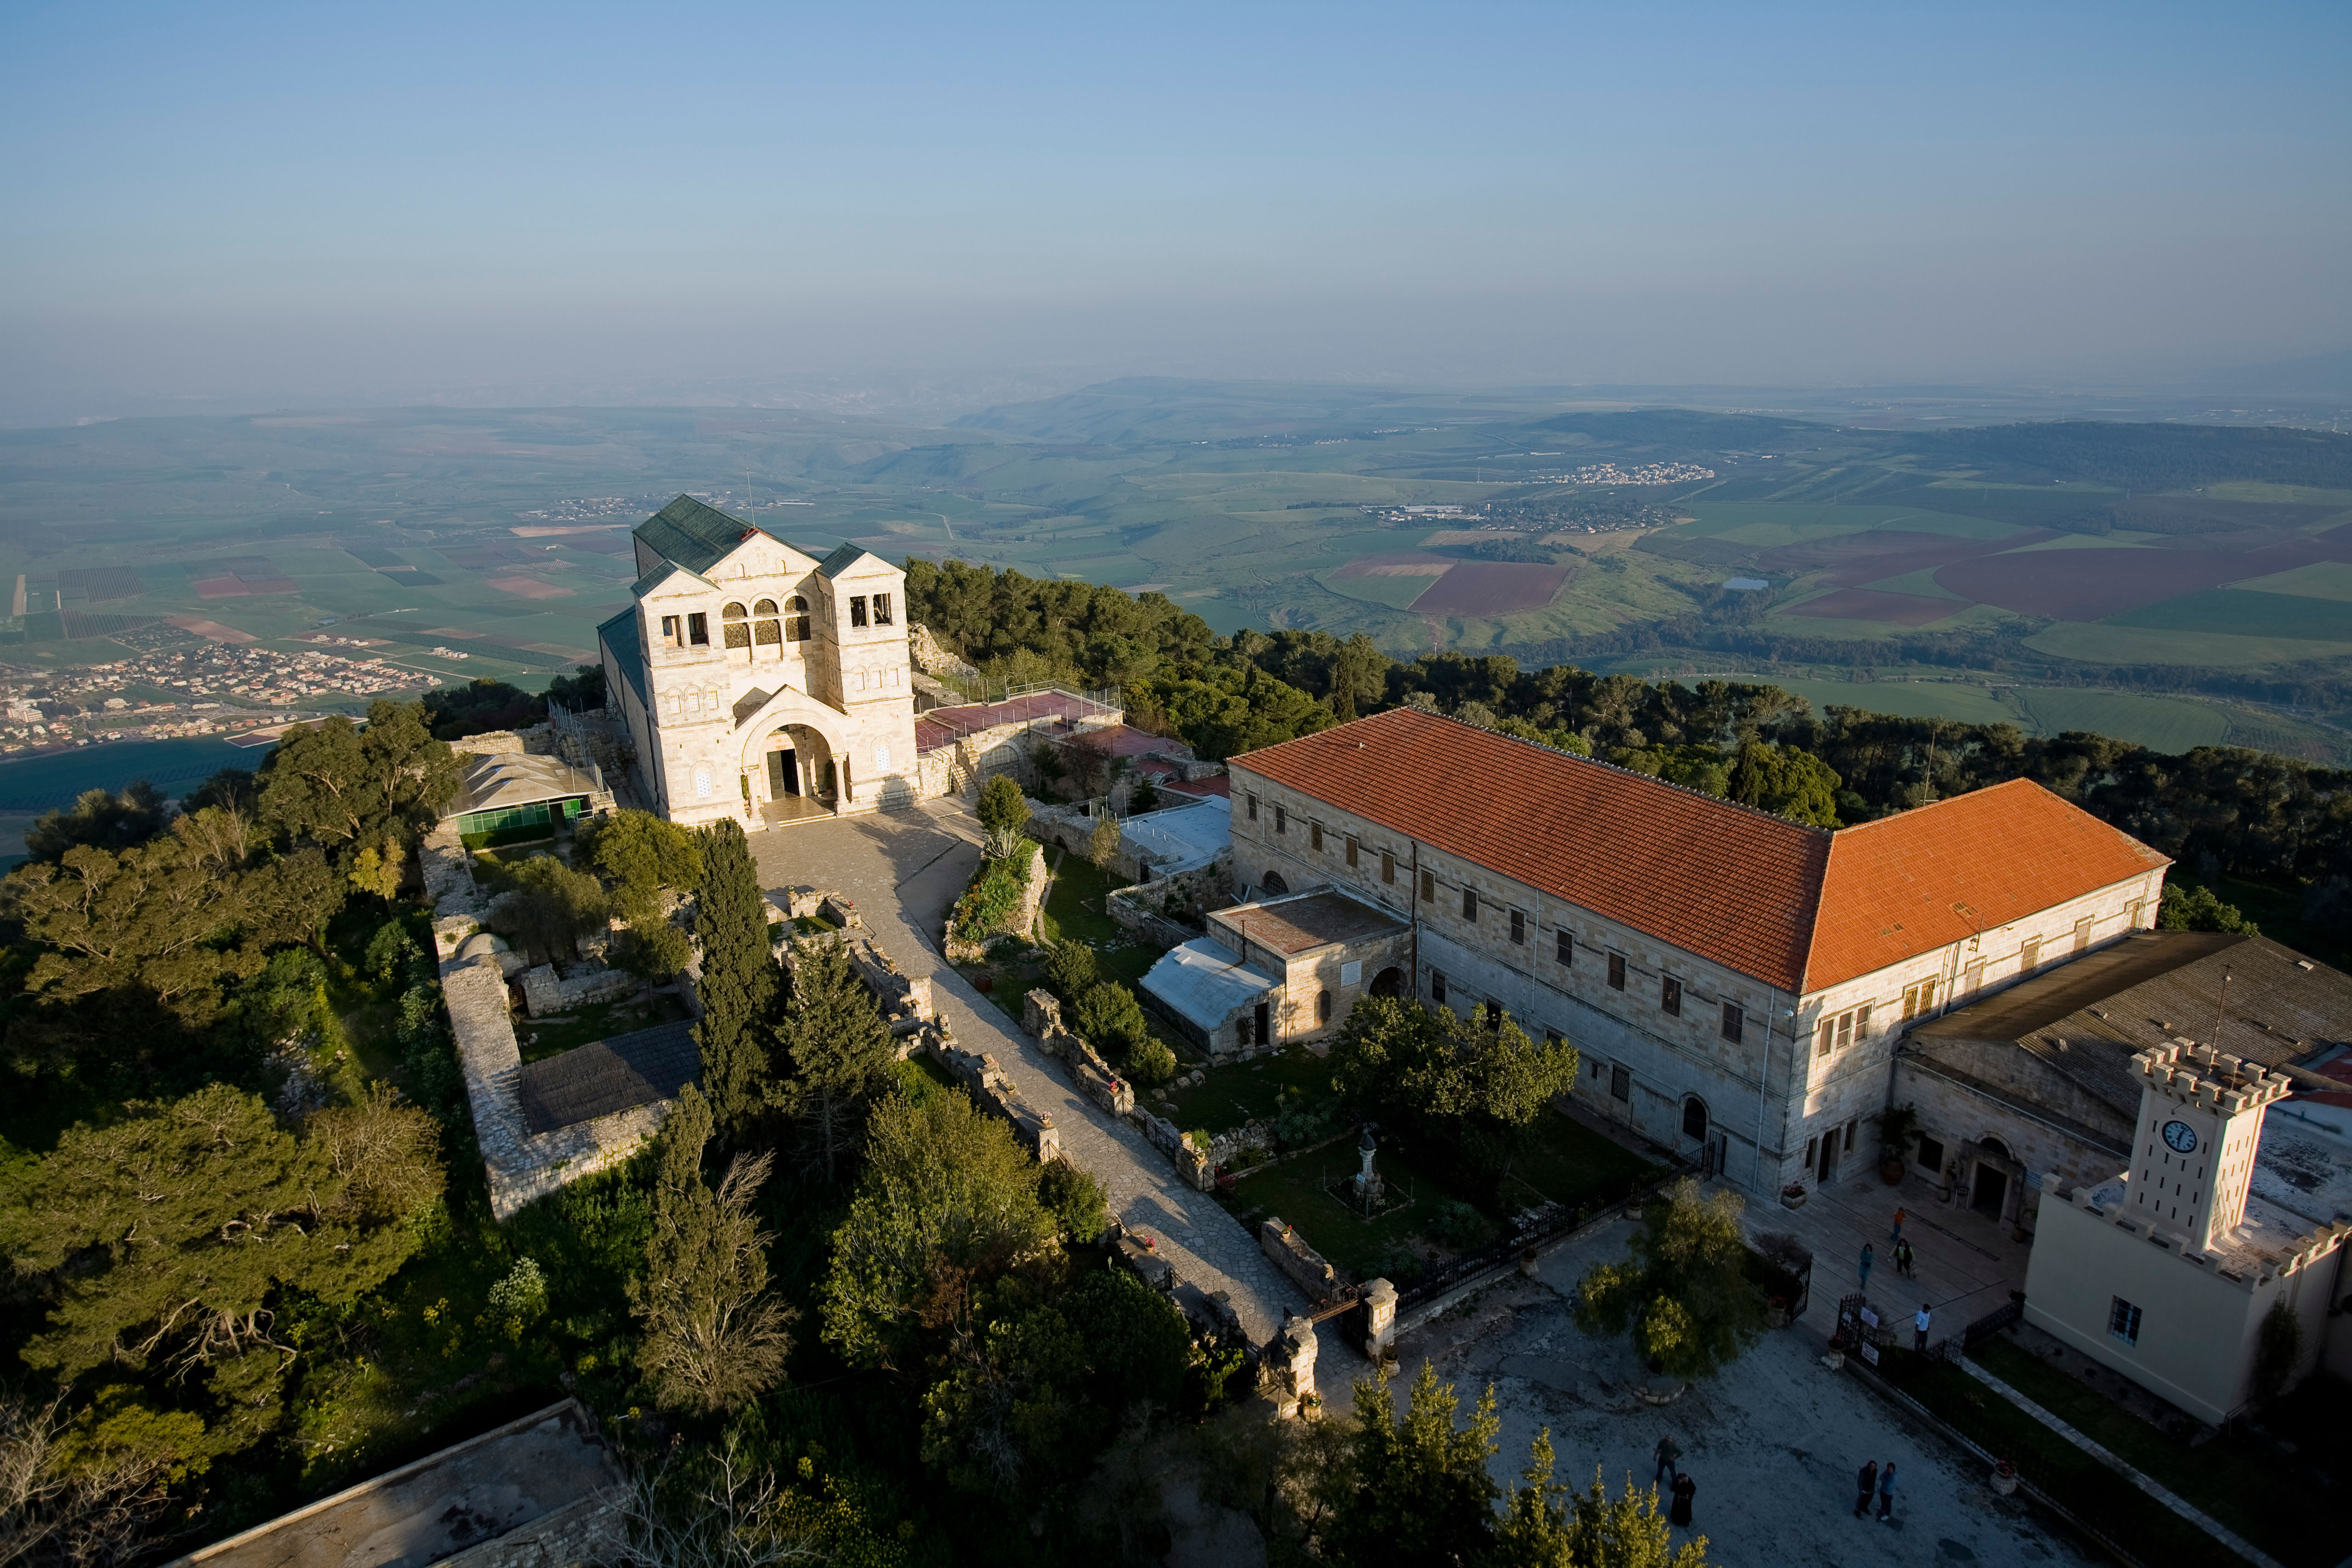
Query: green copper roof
{"points": [[694, 535], [663, 574], [840, 560], [620, 634]]}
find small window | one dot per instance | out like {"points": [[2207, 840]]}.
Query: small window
{"points": [[1735, 1021], [1281, 819], [881, 610], [1470, 905], [697, 629], [1388, 865], [1491, 1014], [1621, 1083], [1322, 1006], [857, 610], [670, 630], [737, 630], [1694, 1119], [1429, 886], [1563, 947], [2131, 913], [1554, 1038], [796, 619], [2123, 1320], [1918, 999], [731, 612], [1850, 1128], [1931, 1153], [1518, 929], [1670, 994], [1812, 1147], [1616, 972], [1252, 808], [2029, 957], [1352, 851], [2083, 934], [1437, 985], [1315, 836]]}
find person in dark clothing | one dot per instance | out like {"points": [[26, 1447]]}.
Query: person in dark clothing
{"points": [[1667, 1453], [1865, 1487], [1887, 1494], [1869, 1257], [1684, 1489], [1906, 1262]]}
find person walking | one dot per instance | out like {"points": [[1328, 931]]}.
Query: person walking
{"points": [[1887, 1494], [1896, 1234], [1869, 1257], [1680, 1514], [1906, 1260], [1667, 1453], [1919, 1329], [1865, 1487]]}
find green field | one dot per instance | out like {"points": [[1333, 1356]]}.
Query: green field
{"points": [[2106, 642], [2223, 610], [2161, 723], [2322, 580]]}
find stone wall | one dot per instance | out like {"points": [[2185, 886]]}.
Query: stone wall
{"points": [[1041, 1015], [993, 1090], [1130, 910], [543, 991], [961, 948], [1305, 1267]]}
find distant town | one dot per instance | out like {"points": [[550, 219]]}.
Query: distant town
{"points": [[224, 685]]}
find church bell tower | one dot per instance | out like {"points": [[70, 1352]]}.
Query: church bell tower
{"points": [[2200, 1121]]}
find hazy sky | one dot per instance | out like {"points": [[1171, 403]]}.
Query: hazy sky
{"points": [[251, 202]]}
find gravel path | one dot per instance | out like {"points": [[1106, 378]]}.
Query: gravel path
{"points": [[904, 869]]}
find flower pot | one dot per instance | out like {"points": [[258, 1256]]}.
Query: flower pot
{"points": [[1891, 1172], [1834, 1360], [1794, 1200], [2004, 1479]]}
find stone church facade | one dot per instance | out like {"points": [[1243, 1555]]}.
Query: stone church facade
{"points": [[758, 681], [1736, 984]]}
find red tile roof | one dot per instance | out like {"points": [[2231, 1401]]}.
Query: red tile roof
{"points": [[1793, 906], [1921, 879]]}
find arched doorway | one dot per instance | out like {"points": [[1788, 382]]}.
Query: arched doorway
{"points": [[1388, 982], [1273, 886], [800, 774], [1694, 1119], [1989, 1193]]}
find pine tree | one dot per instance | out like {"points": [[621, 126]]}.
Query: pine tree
{"points": [[836, 1052], [738, 981], [715, 1335]]}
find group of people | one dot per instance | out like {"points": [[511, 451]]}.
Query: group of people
{"points": [[1876, 1482], [1683, 1488], [1906, 1262]]}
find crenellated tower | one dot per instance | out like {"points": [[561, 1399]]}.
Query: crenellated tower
{"points": [[2200, 1121]]}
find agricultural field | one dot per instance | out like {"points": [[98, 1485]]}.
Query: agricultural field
{"points": [[502, 534]]}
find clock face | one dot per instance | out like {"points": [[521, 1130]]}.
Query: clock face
{"points": [[2180, 1137]]}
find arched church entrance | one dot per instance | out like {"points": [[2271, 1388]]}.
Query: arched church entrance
{"points": [[802, 778], [1388, 982]]}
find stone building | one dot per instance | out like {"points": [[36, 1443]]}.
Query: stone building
{"points": [[2036, 1087], [1735, 982], [1282, 971], [2167, 1270], [756, 680]]}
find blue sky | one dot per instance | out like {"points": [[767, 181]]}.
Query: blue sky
{"points": [[245, 201]]}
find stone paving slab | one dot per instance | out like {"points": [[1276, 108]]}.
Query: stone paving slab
{"points": [[903, 871]]}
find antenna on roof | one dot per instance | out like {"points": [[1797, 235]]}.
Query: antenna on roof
{"points": [[2222, 1011]]}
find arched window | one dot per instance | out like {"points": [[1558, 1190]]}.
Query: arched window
{"points": [[1323, 1007], [796, 619], [738, 634], [1694, 1117], [765, 631], [1275, 884]]}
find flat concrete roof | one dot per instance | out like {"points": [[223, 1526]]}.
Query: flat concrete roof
{"points": [[437, 1507], [1203, 982], [1190, 834], [1304, 922]]}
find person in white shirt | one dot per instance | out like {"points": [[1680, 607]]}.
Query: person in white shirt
{"points": [[1919, 1329]]}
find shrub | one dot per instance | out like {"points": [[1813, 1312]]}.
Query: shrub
{"points": [[1070, 971], [988, 906], [1150, 1062], [1002, 806], [1112, 1021], [1074, 1198], [1456, 1225], [519, 1299]]}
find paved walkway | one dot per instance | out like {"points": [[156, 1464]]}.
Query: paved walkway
{"points": [[1967, 1264], [904, 869], [1773, 1442]]}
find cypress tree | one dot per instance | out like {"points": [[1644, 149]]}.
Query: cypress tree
{"points": [[738, 981], [838, 1052]]}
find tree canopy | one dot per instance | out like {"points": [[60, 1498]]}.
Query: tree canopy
{"points": [[1683, 1291]]}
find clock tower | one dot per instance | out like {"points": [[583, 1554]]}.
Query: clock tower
{"points": [[2200, 1121]]}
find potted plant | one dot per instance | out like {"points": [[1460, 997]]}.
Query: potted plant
{"points": [[2004, 1477], [1898, 1128], [1835, 1359], [1794, 1196]]}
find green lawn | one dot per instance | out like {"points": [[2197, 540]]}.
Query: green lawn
{"points": [[2092, 1491], [1360, 1248], [2234, 1476], [1239, 1092], [1569, 1164], [552, 1037]]}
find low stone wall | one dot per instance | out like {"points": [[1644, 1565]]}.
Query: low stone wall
{"points": [[544, 993], [903, 1000], [1041, 1015], [519, 1164], [1305, 1267], [1130, 909], [994, 1091]]}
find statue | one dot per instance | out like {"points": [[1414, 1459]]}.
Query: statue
{"points": [[1367, 1181]]}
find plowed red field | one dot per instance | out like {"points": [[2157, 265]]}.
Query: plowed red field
{"points": [[1490, 589]]}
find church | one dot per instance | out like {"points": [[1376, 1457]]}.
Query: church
{"points": [[756, 680]]}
